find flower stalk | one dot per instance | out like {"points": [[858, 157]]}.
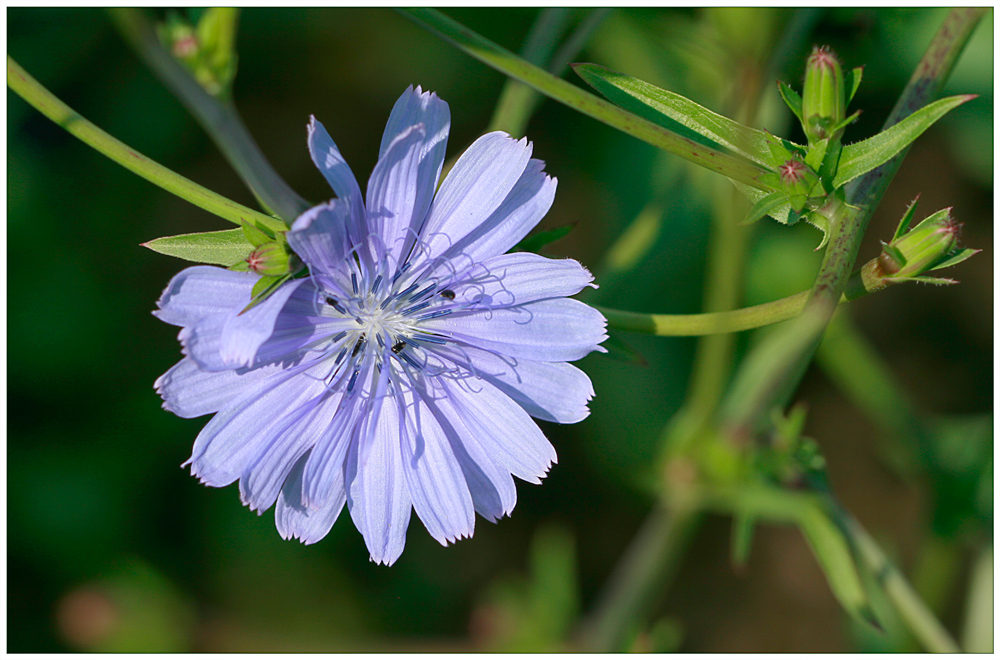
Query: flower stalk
{"points": [[49, 105]]}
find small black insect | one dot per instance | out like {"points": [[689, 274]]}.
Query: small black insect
{"points": [[448, 294], [357, 346], [331, 301], [398, 347]]}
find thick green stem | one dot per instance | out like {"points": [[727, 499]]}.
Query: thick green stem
{"points": [[735, 167], [45, 102], [220, 120]]}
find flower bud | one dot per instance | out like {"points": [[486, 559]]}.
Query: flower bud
{"points": [[824, 100], [272, 258], [798, 180], [922, 248]]}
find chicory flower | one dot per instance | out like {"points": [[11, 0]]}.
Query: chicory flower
{"points": [[403, 372]]}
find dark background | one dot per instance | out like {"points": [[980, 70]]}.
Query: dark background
{"points": [[112, 547]]}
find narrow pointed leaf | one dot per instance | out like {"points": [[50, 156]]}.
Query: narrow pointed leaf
{"points": [[957, 259], [782, 213], [676, 113], [931, 280], [264, 287], [896, 254], [866, 155], [832, 551], [791, 98], [764, 206], [224, 247], [904, 222], [256, 236], [852, 81]]}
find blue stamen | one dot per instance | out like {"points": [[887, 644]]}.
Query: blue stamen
{"points": [[434, 315], [405, 357], [416, 308], [431, 339], [354, 283], [421, 294], [354, 379]]}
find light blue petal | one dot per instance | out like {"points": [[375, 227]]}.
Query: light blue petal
{"points": [[491, 487], [189, 391], [502, 428], [285, 444], [437, 485], [377, 495], [333, 166], [235, 438], [553, 330], [553, 391], [319, 236], [521, 211], [403, 182], [476, 186], [519, 278], [325, 466], [199, 291], [295, 520], [244, 332]]}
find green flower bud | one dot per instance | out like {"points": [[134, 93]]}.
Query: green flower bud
{"points": [[922, 248], [798, 180], [272, 258], [824, 100]]}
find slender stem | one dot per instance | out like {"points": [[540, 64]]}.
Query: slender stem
{"points": [[920, 620], [653, 556], [771, 373], [45, 102], [735, 167], [220, 120]]}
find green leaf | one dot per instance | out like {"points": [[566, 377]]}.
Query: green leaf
{"points": [[852, 81], [904, 222], [676, 113], [866, 155], [264, 287], [536, 242], [931, 280], [957, 259], [224, 247], [765, 205], [896, 254], [783, 214], [792, 99], [833, 552], [255, 235]]}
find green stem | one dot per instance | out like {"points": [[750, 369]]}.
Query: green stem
{"points": [[918, 618], [654, 556], [45, 102], [771, 373], [220, 120], [862, 282], [735, 167]]}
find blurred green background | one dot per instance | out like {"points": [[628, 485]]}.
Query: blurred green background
{"points": [[112, 547]]}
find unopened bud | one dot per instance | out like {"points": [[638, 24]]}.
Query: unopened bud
{"points": [[798, 180], [922, 248], [272, 259], [824, 100]]}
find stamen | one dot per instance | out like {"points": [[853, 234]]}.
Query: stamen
{"points": [[407, 291], [378, 280], [410, 361], [378, 338], [337, 337], [405, 267], [354, 283], [434, 315], [332, 302], [415, 308], [354, 379], [431, 339], [421, 294], [341, 356]]}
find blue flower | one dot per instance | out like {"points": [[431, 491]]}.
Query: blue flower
{"points": [[403, 372]]}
